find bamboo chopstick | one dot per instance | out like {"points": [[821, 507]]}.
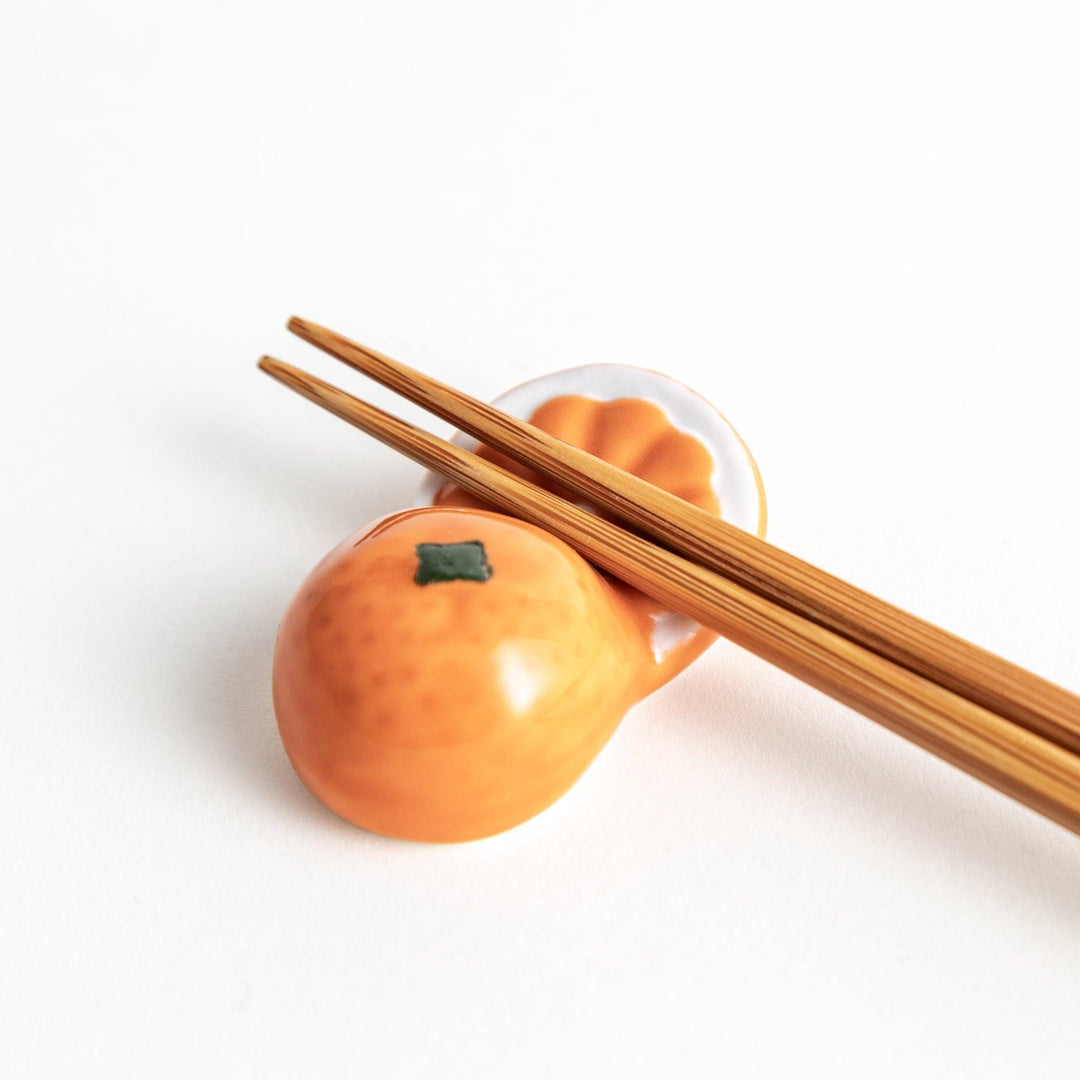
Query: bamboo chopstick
{"points": [[942, 657], [1031, 769]]}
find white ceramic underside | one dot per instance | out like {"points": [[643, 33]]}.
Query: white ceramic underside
{"points": [[734, 479]]}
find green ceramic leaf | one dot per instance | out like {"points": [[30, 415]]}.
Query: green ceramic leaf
{"points": [[451, 562]]}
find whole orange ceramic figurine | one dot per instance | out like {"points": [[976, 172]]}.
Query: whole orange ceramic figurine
{"points": [[449, 672]]}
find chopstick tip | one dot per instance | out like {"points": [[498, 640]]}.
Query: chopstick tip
{"points": [[274, 368], [299, 326]]}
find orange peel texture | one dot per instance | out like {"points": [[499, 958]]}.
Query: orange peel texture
{"points": [[453, 710]]}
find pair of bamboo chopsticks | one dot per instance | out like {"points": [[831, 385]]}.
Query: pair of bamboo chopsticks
{"points": [[997, 721]]}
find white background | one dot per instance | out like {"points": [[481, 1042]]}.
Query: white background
{"points": [[855, 227]]}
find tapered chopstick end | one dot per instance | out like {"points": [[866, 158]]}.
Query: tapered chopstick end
{"points": [[309, 331]]}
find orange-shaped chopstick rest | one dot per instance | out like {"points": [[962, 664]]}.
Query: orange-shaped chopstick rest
{"points": [[451, 672]]}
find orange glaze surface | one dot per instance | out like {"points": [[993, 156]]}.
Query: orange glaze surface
{"points": [[635, 435], [451, 710]]}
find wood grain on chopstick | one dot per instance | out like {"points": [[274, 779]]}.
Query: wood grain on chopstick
{"points": [[1031, 769], [942, 657]]}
